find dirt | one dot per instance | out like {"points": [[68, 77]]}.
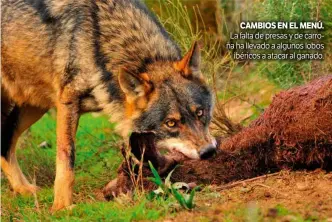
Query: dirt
{"points": [[286, 196]]}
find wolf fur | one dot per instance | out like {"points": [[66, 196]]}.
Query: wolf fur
{"points": [[96, 55]]}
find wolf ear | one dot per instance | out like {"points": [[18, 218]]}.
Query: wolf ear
{"points": [[134, 85], [189, 65]]}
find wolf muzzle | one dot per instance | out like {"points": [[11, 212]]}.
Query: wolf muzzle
{"points": [[207, 151]]}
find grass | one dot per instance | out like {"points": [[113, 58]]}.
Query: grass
{"points": [[97, 160], [23, 210], [96, 146], [168, 190]]}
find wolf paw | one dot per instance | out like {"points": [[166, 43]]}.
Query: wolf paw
{"points": [[58, 207], [62, 201]]}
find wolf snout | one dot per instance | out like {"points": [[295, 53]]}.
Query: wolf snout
{"points": [[208, 151]]}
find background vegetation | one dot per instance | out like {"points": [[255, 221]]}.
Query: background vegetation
{"points": [[243, 90]]}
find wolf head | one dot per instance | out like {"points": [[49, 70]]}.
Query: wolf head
{"points": [[172, 100]]}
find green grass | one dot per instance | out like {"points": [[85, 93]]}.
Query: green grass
{"points": [[252, 212], [95, 144], [97, 160], [22, 208]]}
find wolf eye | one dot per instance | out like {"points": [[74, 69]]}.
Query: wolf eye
{"points": [[199, 112], [171, 123]]}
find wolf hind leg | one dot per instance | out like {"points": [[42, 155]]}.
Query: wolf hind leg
{"points": [[16, 121]]}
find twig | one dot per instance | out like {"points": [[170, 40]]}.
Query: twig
{"points": [[140, 173], [268, 187], [228, 186], [35, 193]]}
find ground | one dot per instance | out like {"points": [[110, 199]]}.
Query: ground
{"points": [[285, 196], [288, 196]]}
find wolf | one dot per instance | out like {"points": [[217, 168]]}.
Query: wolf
{"points": [[110, 56]]}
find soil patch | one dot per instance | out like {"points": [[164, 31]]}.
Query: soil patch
{"points": [[287, 196]]}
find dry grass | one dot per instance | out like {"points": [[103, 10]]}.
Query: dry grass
{"points": [[135, 168]]}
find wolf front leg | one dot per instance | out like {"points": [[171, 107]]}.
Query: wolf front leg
{"points": [[67, 121]]}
